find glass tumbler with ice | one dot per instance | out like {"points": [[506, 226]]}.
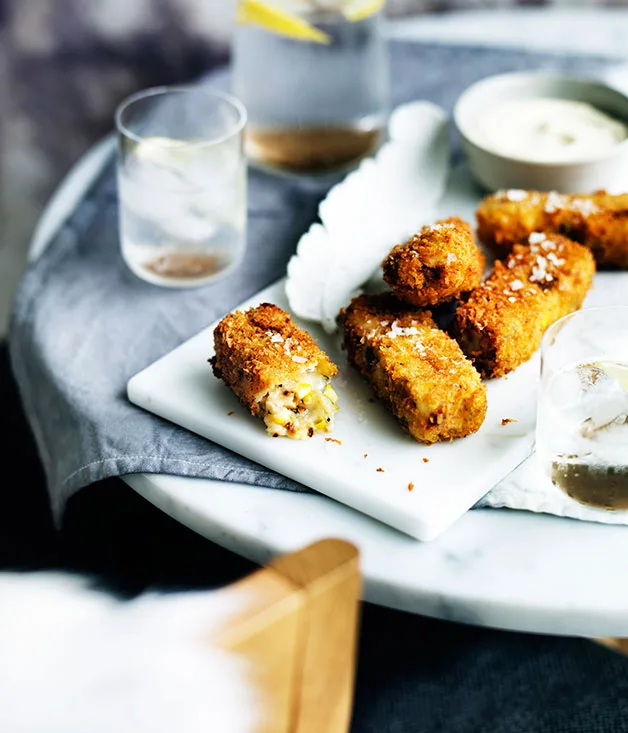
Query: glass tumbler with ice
{"points": [[181, 184], [582, 422]]}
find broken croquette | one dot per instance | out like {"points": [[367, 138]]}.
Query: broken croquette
{"points": [[276, 370]]}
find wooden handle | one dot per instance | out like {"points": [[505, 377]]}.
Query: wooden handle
{"points": [[614, 643], [328, 572], [267, 633], [298, 631]]}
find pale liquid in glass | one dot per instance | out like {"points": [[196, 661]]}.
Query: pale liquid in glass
{"points": [[182, 213], [582, 435], [313, 107]]}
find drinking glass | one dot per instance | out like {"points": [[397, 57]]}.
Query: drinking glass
{"points": [[582, 422], [181, 184], [317, 103]]}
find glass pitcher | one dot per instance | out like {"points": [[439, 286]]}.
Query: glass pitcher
{"points": [[313, 75]]}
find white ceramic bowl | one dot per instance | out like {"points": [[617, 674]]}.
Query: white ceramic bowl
{"points": [[495, 171]]}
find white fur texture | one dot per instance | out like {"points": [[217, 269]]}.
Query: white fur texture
{"points": [[74, 660]]}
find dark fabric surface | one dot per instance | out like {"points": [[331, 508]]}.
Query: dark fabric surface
{"points": [[83, 325], [414, 675]]}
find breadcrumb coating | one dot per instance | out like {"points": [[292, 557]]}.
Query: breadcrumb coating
{"points": [[599, 221], [276, 370], [502, 321], [436, 265], [417, 370]]}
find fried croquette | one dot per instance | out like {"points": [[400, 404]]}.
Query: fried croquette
{"points": [[502, 321], [417, 370], [276, 370], [436, 265], [599, 221]]}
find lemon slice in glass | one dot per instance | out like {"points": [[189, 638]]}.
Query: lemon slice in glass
{"points": [[615, 370], [274, 19], [162, 151], [153, 145], [273, 16], [156, 149], [356, 10]]}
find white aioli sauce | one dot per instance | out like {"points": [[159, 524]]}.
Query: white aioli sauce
{"points": [[547, 130]]}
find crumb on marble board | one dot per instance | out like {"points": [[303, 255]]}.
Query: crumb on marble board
{"points": [[380, 470], [410, 486], [365, 455], [507, 420], [425, 460], [333, 440], [231, 413]]}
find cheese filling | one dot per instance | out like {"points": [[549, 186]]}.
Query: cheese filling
{"points": [[300, 408]]}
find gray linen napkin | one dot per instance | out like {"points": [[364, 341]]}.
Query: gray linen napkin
{"points": [[83, 324]]}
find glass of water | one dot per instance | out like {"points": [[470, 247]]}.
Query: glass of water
{"points": [[314, 79], [181, 184], [582, 423]]}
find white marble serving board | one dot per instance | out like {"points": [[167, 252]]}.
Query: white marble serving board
{"points": [[181, 388]]}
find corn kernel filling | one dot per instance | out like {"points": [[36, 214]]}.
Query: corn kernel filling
{"points": [[300, 408]]}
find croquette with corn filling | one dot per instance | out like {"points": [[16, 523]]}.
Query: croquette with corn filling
{"points": [[276, 370], [502, 321], [436, 265], [417, 370], [598, 220]]}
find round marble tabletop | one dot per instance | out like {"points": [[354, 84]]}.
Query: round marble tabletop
{"points": [[506, 569]]}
